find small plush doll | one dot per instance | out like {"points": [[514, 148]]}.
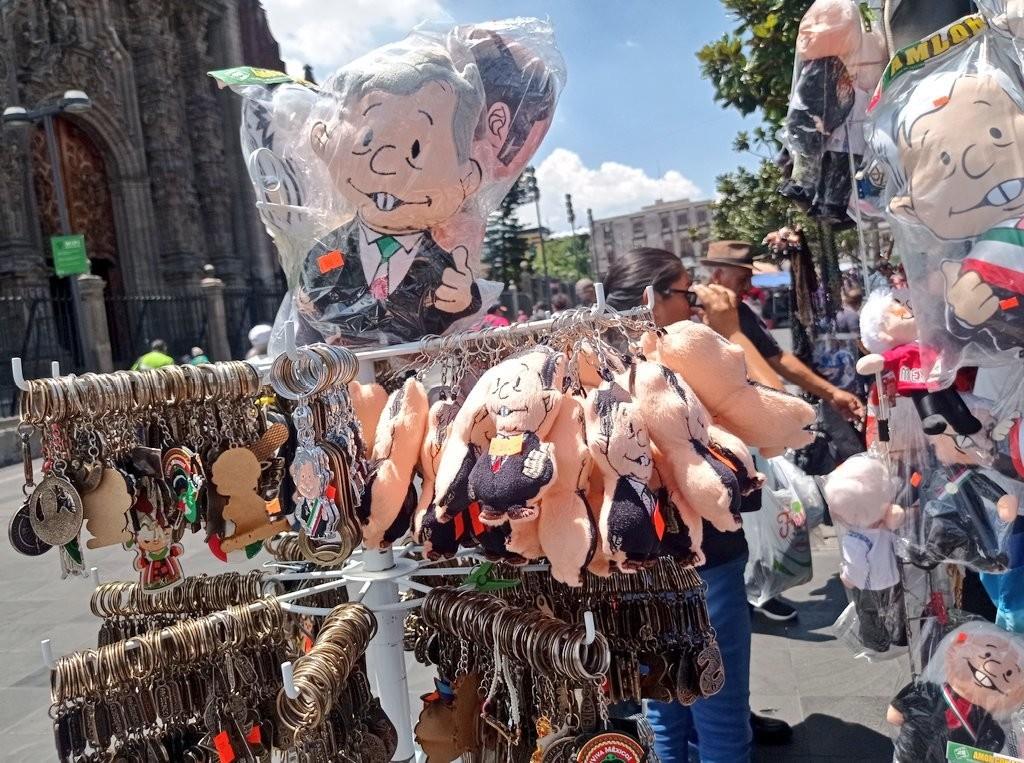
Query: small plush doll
{"points": [[630, 522], [678, 425], [889, 332], [368, 401], [965, 515], [521, 395], [859, 495], [966, 695], [441, 414], [822, 98], [401, 429], [716, 370]]}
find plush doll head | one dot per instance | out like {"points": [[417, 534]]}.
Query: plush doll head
{"points": [[860, 493], [984, 665], [958, 140], [398, 146], [621, 437], [524, 391], [716, 370], [520, 91], [887, 321], [829, 28]]}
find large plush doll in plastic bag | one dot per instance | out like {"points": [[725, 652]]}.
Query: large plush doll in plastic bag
{"points": [[949, 123], [860, 495], [969, 694], [377, 185], [840, 52], [964, 509]]}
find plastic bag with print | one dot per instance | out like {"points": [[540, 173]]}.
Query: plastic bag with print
{"points": [[970, 694], [377, 184], [948, 123]]}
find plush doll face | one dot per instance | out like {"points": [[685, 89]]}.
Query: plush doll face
{"points": [[898, 323], [962, 152], [522, 393], [859, 492], [396, 157], [627, 444], [829, 28], [985, 668]]}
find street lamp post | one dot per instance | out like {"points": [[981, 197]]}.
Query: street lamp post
{"points": [[19, 116], [534, 191]]}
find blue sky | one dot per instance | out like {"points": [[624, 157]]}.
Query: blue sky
{"points": [[636, 120]]}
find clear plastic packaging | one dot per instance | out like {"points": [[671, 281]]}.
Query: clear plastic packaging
{"points": [[840, 52], [947, 122], [377, 184], [970, 694]]}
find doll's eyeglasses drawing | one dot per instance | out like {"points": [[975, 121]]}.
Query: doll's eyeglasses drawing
{"points": [[691, 296]]}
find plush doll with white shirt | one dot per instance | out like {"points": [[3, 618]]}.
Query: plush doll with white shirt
{"points": [[860, 497]]}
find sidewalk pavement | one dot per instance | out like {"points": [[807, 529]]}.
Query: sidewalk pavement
{"points": [[799, 673]]}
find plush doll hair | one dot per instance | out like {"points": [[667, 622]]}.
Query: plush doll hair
{"points": [[872, 319], [674, 416], [860, 493], [716, 370], [368, 401], [395, 451], [565, 528]]}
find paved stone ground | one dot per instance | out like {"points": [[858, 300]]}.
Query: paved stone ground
{"points": [[836, 703]]}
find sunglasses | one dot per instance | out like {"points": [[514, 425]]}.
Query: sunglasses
{"points": [[691, 296]]}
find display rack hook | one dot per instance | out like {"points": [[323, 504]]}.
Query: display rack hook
{"points": [[288, 679], [19, 375]]}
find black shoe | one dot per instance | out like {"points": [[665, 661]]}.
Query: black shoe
{"points": [[770, 731], [777, 610]]}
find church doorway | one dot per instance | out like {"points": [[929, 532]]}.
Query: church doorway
{"points": [[90, 211]]}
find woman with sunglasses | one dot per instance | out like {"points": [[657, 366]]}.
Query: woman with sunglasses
{"points": [[722, 727]]}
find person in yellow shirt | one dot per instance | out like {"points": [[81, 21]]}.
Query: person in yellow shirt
{"points": [[157, 357]]}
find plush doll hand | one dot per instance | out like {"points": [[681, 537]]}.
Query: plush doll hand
{"points": [[870, 364], [536, 462], [893, 716], [1007, 507], [455, 293], [972, 300]]}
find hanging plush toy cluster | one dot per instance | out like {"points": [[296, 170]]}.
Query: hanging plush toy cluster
{"points": [[376, 185]]}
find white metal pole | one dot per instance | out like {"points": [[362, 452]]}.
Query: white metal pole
{"points": [[385, 656]]}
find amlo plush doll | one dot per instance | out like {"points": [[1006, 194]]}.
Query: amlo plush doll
{"points": [[888, 330], [967, 694], [860, 495]]}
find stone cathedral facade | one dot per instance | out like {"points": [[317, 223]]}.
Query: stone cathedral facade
{"points": [[153, 171]]}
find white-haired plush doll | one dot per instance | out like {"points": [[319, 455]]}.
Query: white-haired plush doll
{"points": [[889, 332]]}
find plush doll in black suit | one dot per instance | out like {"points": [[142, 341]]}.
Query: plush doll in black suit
{"points": [[968, 691], [630, 521]]}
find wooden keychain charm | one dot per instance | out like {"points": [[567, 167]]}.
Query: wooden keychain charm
{"points": [[106, 511], [236, 474]]}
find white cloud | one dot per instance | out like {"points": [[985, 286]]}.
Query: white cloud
{"points": [[631, 44], [610, 189], [330, 34]]}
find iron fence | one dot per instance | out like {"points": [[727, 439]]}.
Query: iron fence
{"points": [[245, 307], [39, 327], [135, 320]]}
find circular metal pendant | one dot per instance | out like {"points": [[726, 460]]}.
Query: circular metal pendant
{"points": [[22, 537], [55, 510]]}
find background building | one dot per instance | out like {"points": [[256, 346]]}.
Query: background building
{"points": [[682, 227], [153, 171]]}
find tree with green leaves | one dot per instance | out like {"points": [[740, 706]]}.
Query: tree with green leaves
{"points": [[568, 257], [505, 250]]}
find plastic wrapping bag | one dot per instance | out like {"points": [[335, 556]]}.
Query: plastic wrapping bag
{"points": [[948, 123], [840, 52], [803, 488], [377, 184], [970, 694], [779, 542]]}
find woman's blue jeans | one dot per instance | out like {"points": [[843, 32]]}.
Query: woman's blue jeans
{"points": [[719, 726]]}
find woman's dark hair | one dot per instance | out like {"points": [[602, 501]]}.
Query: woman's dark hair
{"points": [[630, 274]]}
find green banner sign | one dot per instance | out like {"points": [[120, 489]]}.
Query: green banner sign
{"points": [[963, 752], [69, 257]]}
